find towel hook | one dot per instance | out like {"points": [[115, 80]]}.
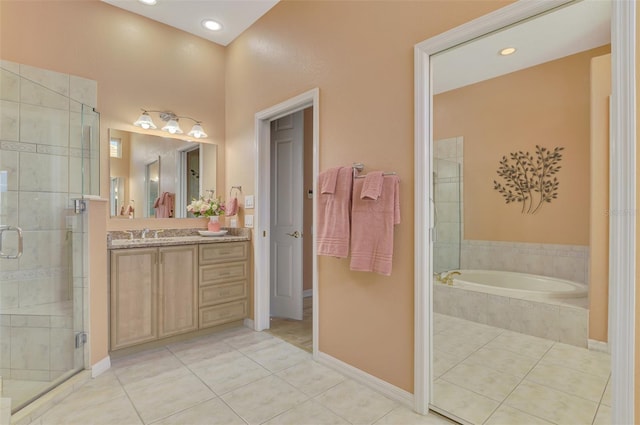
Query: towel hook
{"points": [[238, 188]]}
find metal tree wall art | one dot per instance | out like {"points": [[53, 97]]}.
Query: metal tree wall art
{"points": [[531, 181]]}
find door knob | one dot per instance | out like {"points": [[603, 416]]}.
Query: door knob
{"points": [[295, 234]]}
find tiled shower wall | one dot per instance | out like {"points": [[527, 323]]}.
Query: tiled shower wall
{"points": [[448, 159], [562, 261], [41, 148]]}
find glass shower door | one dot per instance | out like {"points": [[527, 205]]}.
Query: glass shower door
{"points": [[45, 149]]}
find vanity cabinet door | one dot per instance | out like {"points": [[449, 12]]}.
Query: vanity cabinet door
{"points": [[134, 305], [178, 290]]}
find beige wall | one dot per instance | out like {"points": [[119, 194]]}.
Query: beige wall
{"points": [[599, 223], [99, 289], [360, 56], [138, 63], [547, 105]]}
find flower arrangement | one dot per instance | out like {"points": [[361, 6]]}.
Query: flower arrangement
{"points": [[206, 206]]}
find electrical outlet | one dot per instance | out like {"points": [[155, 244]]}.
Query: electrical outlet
{"points": [[234, 222], [248, 202], [248, 220]]}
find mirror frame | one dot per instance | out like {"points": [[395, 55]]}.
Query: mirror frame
{"points": [[622, 195]]}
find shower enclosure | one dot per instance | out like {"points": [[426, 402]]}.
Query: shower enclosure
{"points": [[49, 160]]}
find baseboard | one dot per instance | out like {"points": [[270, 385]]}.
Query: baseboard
{"points": [[101, 367], [248, 323], [601, 346], [377, 384], [307, 293]]}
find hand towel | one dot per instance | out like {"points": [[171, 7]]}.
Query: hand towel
{"points": [[232, 207], [329, 181], [372, 224], [372, 186], [164, 205], [334, 210]]}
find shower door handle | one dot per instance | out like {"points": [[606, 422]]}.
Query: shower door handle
{"points": [[18, 253]]}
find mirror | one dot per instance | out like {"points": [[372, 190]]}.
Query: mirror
{"points": [[156, 177], [503, 329]]}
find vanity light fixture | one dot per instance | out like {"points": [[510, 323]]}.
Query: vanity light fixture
{"points": [[507, 51], [212, 25], [172, 126]]}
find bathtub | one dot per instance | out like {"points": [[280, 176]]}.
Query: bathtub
{"points": [[518, 285], [545, 307]]}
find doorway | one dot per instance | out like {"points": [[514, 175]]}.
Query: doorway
{"points": [[291, 217], [622, 226], [266, 195]]}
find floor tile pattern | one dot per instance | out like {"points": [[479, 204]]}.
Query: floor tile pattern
{"points": [[233, 377], [491, 376]]}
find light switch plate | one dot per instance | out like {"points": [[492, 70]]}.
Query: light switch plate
{"points": [[248, 220], [248, 201]]}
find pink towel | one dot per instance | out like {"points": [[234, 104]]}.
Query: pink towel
{"points": [[329, 181], [164, 205], [372, 187], [231, 208], [334, 212], [372, 227]]}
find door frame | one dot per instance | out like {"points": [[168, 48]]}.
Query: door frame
{"points": [[262, 232], [622, 224], [181, 180]]}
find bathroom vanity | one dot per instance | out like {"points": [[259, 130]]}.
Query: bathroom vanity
{"points": [[172, 286]]}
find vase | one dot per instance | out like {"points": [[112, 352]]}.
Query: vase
{"points": [[214, 224]]}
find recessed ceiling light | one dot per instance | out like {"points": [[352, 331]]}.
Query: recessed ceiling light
{"points": [[507, 51], [148, 2], [212, 25]]}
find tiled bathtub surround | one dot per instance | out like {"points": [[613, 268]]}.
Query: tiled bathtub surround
{"points": [[42, 151], [569, 262], [565, 320]]}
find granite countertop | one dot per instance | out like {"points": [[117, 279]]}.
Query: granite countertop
{"points": [[172, 237]]}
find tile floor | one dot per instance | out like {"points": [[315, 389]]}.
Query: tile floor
{"points": [[233, 377], [296, 332], [488, 375]]}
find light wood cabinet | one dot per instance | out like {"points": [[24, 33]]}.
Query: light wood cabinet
{"points": [[134, 300], [178, 290], [224, 281], [162, 292], [154, 293]]}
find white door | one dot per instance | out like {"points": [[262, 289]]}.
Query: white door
{"points": [[287, 144]]}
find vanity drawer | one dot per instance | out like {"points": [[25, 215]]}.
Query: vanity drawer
{"points": [[223, 252], [223, 313], [216, 294], [223, 273]]}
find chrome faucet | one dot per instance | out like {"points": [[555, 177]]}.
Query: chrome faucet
{"points": [[447, 279], [144, 233], [155, 234]]}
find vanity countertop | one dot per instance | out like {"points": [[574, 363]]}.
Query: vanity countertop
{"points": [[238, 235]]}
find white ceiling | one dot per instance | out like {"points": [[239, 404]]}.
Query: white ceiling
{"points": [[566, 31], [187, 15]]}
